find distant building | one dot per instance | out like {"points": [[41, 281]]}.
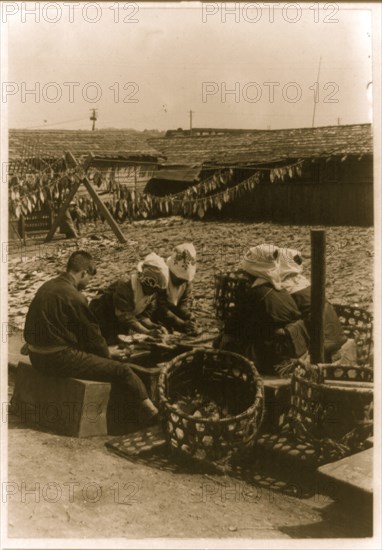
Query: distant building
{"points": [[335, 186], [205, 132], [121, 155]]}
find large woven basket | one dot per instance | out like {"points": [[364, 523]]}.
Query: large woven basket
{"points": [[229, 377], [228, 287], [330, 401], [357, 322]]}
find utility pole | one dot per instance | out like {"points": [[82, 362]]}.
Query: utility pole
{"points": [[93, 118], [314, 96], [191, 113]]}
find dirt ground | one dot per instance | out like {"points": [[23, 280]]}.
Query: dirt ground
{"points": [[64, 487]]}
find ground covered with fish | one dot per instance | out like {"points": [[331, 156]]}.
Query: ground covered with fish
{"points": [[65, 487], [349, 254]]}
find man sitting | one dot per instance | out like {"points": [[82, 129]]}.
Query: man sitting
{"points": [[64, 338]]}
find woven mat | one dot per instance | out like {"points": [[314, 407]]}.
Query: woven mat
{"points": [[134, 444], [148, 446], [281, 449], [285, 447], [264, 466]]}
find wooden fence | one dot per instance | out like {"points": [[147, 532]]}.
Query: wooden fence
{"points": [[326, 204]]}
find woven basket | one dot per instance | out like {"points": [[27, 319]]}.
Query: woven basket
{"points": [[329, 401], [357, 323], [228, 287], [230, 378]]}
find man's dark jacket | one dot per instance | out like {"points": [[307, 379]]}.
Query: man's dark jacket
{"points": [[59, 316]]}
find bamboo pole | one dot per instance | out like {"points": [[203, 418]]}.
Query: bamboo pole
{"points": [[317, 295]]}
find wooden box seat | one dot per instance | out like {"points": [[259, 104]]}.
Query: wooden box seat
{"points": [[70, 406]]}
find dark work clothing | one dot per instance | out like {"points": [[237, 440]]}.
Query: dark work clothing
{"points": [[298, 339], [72, 363], [334, 336], [59, 315], [103, 309], [259, 313], [119, 297], [262, 309], [171, 315]]}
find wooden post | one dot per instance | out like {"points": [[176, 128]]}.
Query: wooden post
{"points": [[71, 160], [61, 212], [104, 211], [51, 218], [21, 228], [317, 295], [14, 230]]}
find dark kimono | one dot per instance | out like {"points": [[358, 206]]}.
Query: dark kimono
{"points": [[334, 336], [259, 313], [120, 305], [174, 306]]}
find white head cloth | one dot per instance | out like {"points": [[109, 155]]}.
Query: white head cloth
{"points": [[261, 261], [153, 271], [291, 270], [182, 262]]}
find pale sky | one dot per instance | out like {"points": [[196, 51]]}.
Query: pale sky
{"points": [[170, 56]]}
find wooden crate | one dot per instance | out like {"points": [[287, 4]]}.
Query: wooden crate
{"points": [[35, 223]]}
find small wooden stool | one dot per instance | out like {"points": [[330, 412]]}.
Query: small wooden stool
{"points": [[69, 406]]}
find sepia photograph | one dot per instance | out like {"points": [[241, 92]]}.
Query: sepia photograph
{"points": [[190, 274]]}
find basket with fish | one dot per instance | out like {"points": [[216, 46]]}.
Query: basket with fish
{"points": [[211, 404]]}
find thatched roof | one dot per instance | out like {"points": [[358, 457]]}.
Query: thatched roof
{"points": [[263, 146], [54, 143], [245, 147]]}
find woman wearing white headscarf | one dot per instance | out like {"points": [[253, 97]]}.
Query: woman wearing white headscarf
{"points": [[174, 303], [298, 286], [267, 326], [128, 305]]}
